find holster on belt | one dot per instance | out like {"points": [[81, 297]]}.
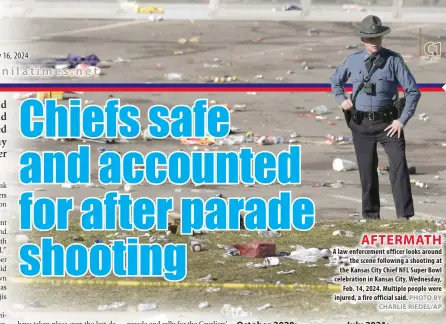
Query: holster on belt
{"points": [[399, 105], [347, 115]]}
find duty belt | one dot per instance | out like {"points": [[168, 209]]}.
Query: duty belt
{"points": [[385, 114]]}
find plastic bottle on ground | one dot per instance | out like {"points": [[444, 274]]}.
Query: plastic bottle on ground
{"points": [[146, 307], [320, 110], [174, 76], [270, 140], [232, 140]]}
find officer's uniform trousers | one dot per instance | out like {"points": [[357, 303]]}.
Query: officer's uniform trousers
{"points": [[366, 136]]}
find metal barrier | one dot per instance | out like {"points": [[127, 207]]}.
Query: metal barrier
{"points": [[390, 11]]}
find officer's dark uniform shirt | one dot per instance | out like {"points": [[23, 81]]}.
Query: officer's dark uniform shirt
{"points": [[386, 78]]}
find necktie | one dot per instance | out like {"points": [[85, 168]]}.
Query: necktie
{"points": [[369, 62]]}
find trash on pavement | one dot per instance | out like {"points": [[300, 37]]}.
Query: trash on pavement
{"points": [[69, 61], [255, 265], [208, 278], [24, 96], [320, 110], [234, 130], [271, 261], [195, 246], [338, 184], [159, 239], [250, 137], [441, 223], [286, 272], [146, 135], [338, 140], [237, 108], [344, 165], [310, 255], [58, 95], [269, 234], [291, 8], [197, 141], [203, 305], [101, 140], [263, 307], [121, 60], [423, 117], [343, 233], [234, 311], [269, 140], [120, 235], [267, 262], [174, 76], [420, 184], [212, 66], [313, 32], [146, 307], [113, 305], [69, 186]]}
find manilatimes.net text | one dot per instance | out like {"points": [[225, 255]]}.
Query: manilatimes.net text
{"points": [[120, 211]]}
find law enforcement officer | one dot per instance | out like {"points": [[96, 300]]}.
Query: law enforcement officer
{"points": [[375, 114]]}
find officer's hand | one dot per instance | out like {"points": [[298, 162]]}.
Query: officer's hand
{"points": [[347, 104], [395, 127]]}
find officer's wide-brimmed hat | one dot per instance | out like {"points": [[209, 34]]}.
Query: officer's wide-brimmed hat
{"points": [[371, 27]]}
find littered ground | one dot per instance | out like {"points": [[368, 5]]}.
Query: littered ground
{"points": [[282, 48], [247, 49]]}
